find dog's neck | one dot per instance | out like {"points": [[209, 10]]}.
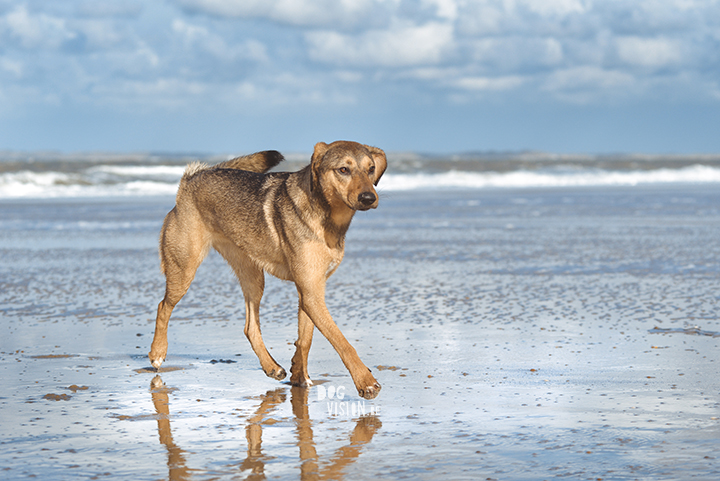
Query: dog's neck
{"points": [[335, 230], [336, 219]]}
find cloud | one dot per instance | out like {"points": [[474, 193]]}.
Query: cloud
{"points": [[399, 46], [166, 89], [487, 83], [345, 51], [522, 17], [34, 31], [515, 54], [313, 13], [12, 66], [109, 8], [585, 84], [200, 38], [445, 9], [554, 8], [649, 52]]}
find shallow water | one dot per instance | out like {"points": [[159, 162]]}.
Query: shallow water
{"points": [[517, 334]]}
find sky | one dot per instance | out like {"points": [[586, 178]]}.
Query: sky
{"points": [[429, 76]]}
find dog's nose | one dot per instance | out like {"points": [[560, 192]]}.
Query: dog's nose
{"points": [[367, 198]]}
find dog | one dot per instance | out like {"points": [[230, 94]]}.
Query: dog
{"points": [[289, 224]]}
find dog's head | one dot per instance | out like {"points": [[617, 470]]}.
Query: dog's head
{"points": [[348, 171]]}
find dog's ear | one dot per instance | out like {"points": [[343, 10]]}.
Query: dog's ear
{"points": [[380, 162], [317, 156]]}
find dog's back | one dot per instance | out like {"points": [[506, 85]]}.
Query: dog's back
{"points": [[185, 212]]}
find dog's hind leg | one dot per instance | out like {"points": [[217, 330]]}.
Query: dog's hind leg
{"points": [[298, 371], [252, 282], [181, 251]]}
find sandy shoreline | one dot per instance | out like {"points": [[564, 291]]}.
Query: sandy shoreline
{"points": [[512, 332]]}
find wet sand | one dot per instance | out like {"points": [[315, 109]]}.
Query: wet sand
{"points": [[517, 334]]}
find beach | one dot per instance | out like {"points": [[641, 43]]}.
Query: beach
{"points": [[519, 333]]}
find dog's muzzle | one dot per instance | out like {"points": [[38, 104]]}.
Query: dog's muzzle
{"points": [[367, 199]]}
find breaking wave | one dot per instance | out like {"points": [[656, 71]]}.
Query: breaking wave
{"points": [[116, 180], [550, 178]]}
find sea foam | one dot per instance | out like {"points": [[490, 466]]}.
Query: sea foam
{"points": [[162, 180]]}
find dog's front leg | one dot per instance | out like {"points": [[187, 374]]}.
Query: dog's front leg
{"points": [[313, 303], [159, 347], [299, 370]]}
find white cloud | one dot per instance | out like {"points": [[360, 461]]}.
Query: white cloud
{"points": [[99, 34], [649, 52], [35, 31], [349, 50], [199, 39], [445, 9], [398, 46], [293, 12], [554, 8], [190, 32], [109, 8], [514, 53], [11, 66], [172, 93], [585, 84], [487, 83], [519, 17]]}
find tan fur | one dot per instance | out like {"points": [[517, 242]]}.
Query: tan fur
{"points": [[291, 225]]}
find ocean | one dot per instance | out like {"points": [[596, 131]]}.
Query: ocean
{"points": [[529, 316], [48, 175]]}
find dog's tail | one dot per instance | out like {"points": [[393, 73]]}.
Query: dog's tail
{"points": [[259, 162]]}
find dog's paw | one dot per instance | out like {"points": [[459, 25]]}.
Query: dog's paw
{"points": [[156, 361], [370, 392], [301, 381], [276, 373], [157, 382]]}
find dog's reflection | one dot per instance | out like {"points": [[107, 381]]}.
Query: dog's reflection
{"points": [[177, 468], [311, 467], [255, 460]]}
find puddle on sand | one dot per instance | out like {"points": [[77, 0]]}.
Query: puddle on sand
{"points": [[202, 418], [265, 415], [693, 331], [53, 356]]}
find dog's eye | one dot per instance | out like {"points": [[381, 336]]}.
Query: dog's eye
{"points": [[344, 170], [371, 170]]}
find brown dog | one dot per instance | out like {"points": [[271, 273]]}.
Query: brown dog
{"points": [[291, 225]]}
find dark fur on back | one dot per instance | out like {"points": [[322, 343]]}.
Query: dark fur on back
{"points": [[259, 162]]}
